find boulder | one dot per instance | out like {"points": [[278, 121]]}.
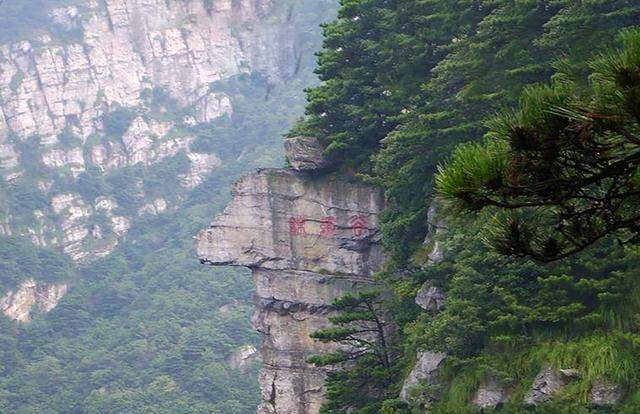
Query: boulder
{"points": [[305, 153], [547, 383]]}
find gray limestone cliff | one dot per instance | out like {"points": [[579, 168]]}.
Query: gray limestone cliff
{"points": [[308, 238], [97, 60]]}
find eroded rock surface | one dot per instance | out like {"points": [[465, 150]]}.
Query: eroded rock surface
{"points": [[30, 296], [490, 394], [545, 385], [308, 239], [431, 297], [425, 372], [605, 393], [305, 153]]}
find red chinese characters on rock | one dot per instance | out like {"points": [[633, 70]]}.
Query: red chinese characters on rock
{"points": [[297, 226], [359, 225], [328, 226]]}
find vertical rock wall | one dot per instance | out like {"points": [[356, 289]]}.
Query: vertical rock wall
{"points": [[308, 238]]}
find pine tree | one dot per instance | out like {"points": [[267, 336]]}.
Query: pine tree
{"points": [[365, 360], [563, 169]]}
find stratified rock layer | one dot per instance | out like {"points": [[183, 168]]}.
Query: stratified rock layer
{"points": [[308, 239]]}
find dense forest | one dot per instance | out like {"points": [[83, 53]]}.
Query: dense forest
{"points": [[535, 214]]}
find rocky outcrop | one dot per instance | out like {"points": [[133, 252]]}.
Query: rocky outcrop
{"points": [[546, 384], [308, 239], [430, 297], [30, 296], [158, 206], [305, 153], [128, 46], [432, 252], [424, 373], [605, 393], [490, 394], [78, 237]]}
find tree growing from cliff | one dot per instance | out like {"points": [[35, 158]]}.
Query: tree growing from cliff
{"points": [[562, 171], [364, 357]]}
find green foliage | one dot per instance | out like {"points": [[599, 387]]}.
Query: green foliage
{"points": [[91, 184], [404, 82], [374, 59], [30, 151], [117, 121], [506, 318], [68, 139], [140, 330], [514, 46], [385, 94], [26, 196], [19, 261], [16, 80], [563, 167], [163, 106], [367, 368]]}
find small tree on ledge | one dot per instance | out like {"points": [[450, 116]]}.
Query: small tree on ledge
{"points": [[366, 366]]}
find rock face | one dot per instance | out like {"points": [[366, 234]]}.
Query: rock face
{"points": [[308, 239], [545, 385], [305, 153], [605, 393], [104, 57], [425, 371], [430, 297], [128, 46], [434, 252], [29, 296], [490, 394]]}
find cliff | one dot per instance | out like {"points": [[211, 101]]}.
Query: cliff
{"points": [[119, 83], [308, 237]]}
